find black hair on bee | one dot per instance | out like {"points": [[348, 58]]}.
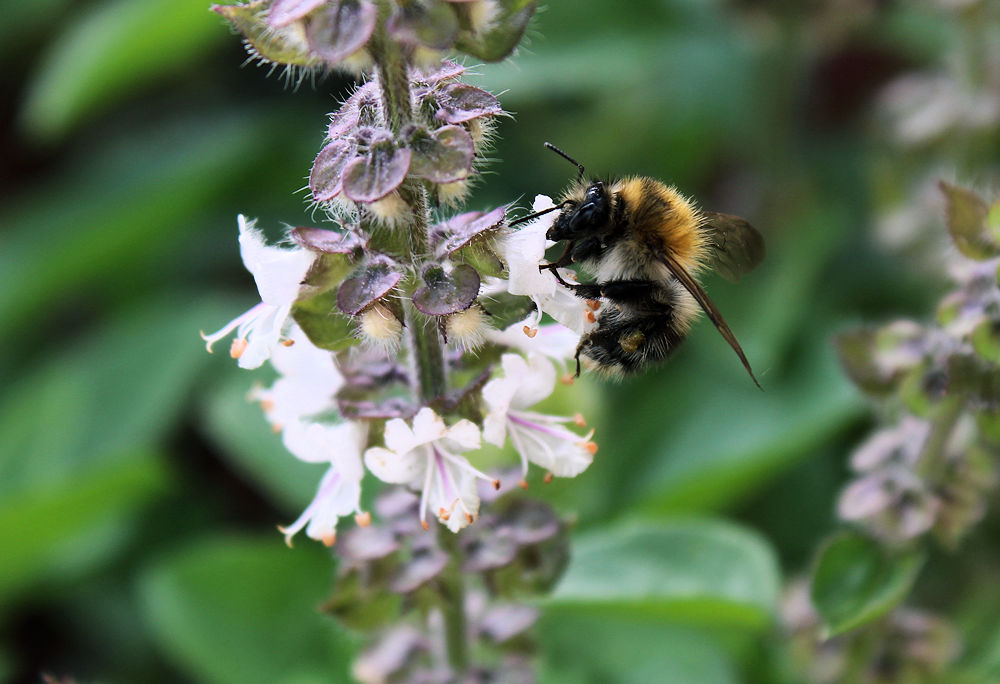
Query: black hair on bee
{"points": [[645, 243]]}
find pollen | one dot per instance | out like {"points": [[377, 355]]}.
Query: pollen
{"points": [[470, 518], [329, 539], [454, 193], [443, 513], [237, 348], [363, 519], [530, 332], [380, 328], [467, 329], [578, 419], [390, 210], [591, 447], [548, 477], [496, 485], [593, 304], [423, 524], [523, 484], [568, 379], [591, 318], [267, 405], [287, 343]]}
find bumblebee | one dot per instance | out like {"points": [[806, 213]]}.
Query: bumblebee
{"points": [[645, 243]]}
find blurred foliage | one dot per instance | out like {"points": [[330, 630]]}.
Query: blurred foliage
{"points": [[131, 473]]}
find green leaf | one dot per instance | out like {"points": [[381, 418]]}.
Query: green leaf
{"points": [[322, 322], [967, 223], [118, 391], [37, 523], [238, 428], [107, 53], [689, 463], [505, 33], [118, 211], [697, 571], [857, 581], [627, 651], [245, 610]]}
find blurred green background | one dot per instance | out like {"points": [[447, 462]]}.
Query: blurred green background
{"points": [[139, 490]]}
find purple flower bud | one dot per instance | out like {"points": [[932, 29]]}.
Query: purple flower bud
{"points": [[341, 30], [326, 176], [458, 102], [446, 293], [285, 12], [372, 283], [376, 174]]}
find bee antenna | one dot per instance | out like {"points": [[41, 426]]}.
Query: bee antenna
{"points": [[536, 214], [567, 158]]}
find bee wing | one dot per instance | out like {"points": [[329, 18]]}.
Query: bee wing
{"points": [[735, 248], [692, 286]]}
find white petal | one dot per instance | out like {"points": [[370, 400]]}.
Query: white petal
{"points": [[452, 493], [555, 341], [336, 496], [498, 394], [495, 427], [399, 437], [536, 378], [428, 426], [465, 433], [542, 441], [394, 468], [278, 272], [263, 335]]}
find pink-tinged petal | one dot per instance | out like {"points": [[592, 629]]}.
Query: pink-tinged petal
{"points": [[495, 428], [395, 468]]}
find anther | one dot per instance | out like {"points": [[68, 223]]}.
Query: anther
{"points": [[237, 348], [591, 447], [567, 379], [287, 343], [363, 519], [530, 332], [470, 518], [523, 484], [423, 524], [591, 318], [496, 484], [443, 513], [578, 419], [548, 477], [329, 539], [593, 304]]}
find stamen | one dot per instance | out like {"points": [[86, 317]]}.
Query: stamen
{"points": [[591, 318], [496, 485], [363, 519], [530, 332], [287, 343], [548, 477], [593, 304], [568, 379], [470, 518], [329, 539], [237, 348], [591, 447], [523, 484], [443, 514], [578, 419], [423, 524]]}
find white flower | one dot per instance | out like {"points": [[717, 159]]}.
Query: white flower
{"points": [[538, 437], [423, 457], [339, 491], [555, 340], [523, 251], [308, 383], [278, 273]]}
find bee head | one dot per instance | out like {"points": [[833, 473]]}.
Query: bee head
{"points": [[582, 217]]}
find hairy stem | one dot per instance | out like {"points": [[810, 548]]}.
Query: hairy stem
{"points": [[452, 588], [427, 367]]}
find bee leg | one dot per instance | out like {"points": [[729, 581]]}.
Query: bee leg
{"points": [[634, 292], [584, 342], [565, 259]]}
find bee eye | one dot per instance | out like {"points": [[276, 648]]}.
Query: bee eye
{"points": [[593, 192]]}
